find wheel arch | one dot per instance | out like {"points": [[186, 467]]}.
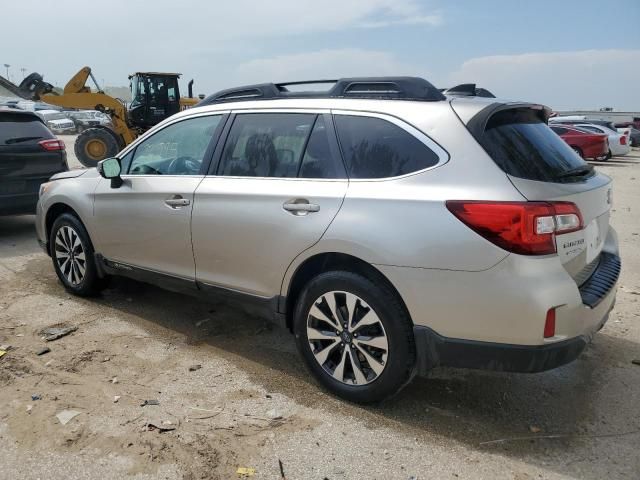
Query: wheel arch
{"points": [[324, 262], [53, 212]]}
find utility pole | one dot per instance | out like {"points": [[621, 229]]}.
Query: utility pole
{"points": [[23, 70], [6, 65]]}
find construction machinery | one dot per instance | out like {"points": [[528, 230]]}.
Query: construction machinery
{"points": [[155, 96]]}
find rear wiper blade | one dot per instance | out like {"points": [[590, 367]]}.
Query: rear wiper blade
{"points": [[577, 172], [11, 141]]}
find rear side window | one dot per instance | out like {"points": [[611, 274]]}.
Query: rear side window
{"points": [[266, 144], [21, 129], [559, 130], [375, 148], [522, 145]]}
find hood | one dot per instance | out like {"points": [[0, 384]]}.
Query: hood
{"points": [[70, 174]]}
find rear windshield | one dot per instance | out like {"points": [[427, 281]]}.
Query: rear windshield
{"points": [[21, 129], [522, 145]]}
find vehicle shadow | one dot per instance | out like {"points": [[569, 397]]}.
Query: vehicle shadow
{"points": [[581, 401], [18, 236]]}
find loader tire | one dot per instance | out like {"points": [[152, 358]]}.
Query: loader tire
{"points": [[95, 144]]}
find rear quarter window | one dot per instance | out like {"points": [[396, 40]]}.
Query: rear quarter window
{"points": [[522, 145], [376, 148], [21, 129]]}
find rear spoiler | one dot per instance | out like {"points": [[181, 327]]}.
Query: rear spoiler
{"points": [[467, 90]]}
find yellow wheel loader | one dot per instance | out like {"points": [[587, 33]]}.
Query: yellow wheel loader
{"points": [[155, 96]]}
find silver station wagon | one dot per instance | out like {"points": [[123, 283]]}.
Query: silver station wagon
{"points": [[392, 228]]}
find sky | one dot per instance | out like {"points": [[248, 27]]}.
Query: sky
{"points": [[568, 54]]}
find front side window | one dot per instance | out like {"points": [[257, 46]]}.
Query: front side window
{"points": [[376, 148], [266, 145], [178, 149]]}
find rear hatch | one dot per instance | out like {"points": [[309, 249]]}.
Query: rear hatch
{"points": [[544, 168], [24, 162]]}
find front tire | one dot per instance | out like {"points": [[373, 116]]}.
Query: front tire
{"points": [[355, 336], [73, 257]]}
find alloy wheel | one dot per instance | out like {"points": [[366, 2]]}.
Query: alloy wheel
{"points": [[70, 255], [347, 338]]}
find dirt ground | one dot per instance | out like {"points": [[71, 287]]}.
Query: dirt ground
{"points": [[232, 391]]}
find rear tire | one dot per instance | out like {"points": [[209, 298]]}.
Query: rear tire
{"points": [[578, 150], [95, 144], [369, 353], [73, 257]]}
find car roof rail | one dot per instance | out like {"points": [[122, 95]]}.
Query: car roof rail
{"points": [[467, 90], [379, 88]]}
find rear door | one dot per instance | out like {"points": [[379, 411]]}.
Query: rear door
{"points": [[25, 163], [540, 166], [278, 183]]}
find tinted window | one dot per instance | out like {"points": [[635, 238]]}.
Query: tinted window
{"points": [[376, 148], [591, 128], [559, 130], [266, 144], [318, 160], [175, 150], [522, 145], [21, 129]]}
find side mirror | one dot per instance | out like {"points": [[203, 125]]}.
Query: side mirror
{"points": [[109, 168]]}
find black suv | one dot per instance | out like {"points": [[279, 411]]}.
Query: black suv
{"points": [[29, 155]]}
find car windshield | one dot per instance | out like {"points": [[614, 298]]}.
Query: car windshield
{"points": [[522, 145], [54, 116]]}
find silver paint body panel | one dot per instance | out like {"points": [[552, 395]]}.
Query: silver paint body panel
{"points": [[236, 234]]}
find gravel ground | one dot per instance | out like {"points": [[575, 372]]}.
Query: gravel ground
{"points": [[250, 403]]}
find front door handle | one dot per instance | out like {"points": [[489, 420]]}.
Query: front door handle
{"points": [[300, 206], [177, 201]]}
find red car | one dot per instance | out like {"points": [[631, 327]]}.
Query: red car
{"points": [[586, 144]]}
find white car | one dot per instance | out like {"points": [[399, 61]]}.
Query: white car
{"points": [[618, 142], [89, 118], [57, 121]]}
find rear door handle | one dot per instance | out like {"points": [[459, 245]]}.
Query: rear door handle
{"points": [[177, 201], [300, 206]]}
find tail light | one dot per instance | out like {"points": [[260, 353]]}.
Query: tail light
{"points": [[52, 145], [526, 228], [623, 140]]}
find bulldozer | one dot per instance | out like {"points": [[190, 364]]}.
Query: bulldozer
{"points": [[155, 96]]}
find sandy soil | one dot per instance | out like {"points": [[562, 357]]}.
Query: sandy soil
{"points": [[252, 404]]}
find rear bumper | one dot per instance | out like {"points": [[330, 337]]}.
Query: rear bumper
{"points": [[18, 204], [435, 350]]}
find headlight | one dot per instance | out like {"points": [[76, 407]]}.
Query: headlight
{"points": [[43, 188]]}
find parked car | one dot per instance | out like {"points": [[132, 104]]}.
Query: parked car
{"points": [[582, 119], [618, 142], [57, 121], [389, 236], [634, 133], [584, 143], [10, 104], [29, 155], [84, 119]]}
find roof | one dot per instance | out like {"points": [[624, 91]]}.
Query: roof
{"points": [[166, 74]]}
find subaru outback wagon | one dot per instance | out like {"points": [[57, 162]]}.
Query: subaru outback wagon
{"points": [[391, 228]]}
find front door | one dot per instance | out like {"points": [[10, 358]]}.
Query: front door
{"points": [[278, 185], [146, 222]]}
